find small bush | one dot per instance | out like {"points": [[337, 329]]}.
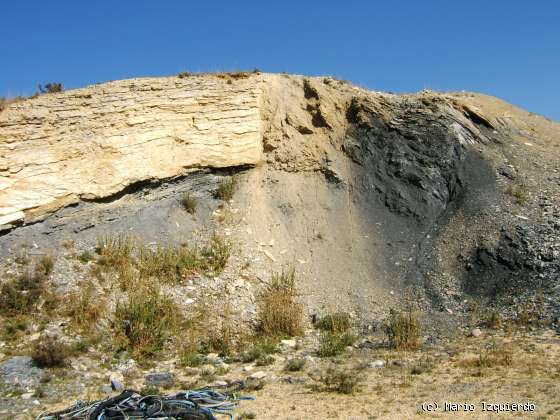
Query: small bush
{"points": [[51, 88], [184, 74], [259, 350], [278, 309], [167, 263], [519, 193], [46, 264], [216, 255], [49, 352], [84, 308], [337, 322], [14, 327], [490, 358], [295, 365], [191, 359], [403, 330], [189, 203], [86, 257], [115, 249], [335, 343], [344, 381], [226, 189], [145, 320], [19, 295]]}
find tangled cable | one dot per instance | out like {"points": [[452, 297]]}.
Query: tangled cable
{"points": [[201, 404]]}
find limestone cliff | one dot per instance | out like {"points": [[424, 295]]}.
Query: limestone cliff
{"points": [[90, 143]]}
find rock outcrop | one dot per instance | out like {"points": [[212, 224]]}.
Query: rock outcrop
{"points": [[90, 143]]}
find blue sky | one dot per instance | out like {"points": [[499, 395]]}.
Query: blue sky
{"points": [[510, 49]]}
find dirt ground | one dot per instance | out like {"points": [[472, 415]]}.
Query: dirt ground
{"points": [[528, 374]]}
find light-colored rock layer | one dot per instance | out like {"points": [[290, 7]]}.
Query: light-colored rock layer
{"points": [[93, 142]]}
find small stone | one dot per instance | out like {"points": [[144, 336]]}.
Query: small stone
{"points": [[160, 379], [26, 396], [106, 389], [116, 385], [476, 332], [378, 364], [248, 368], [213, 358], [258, 375], [220, 383], [288, 344]]}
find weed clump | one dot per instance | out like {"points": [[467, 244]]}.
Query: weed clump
{"points": [[189, 203], [145, 320], [49, 352], [84, 309], [216, 255], [226, 189], [51, 88], [278, 309], [18, 296], [403, 330], [335, 343], [116, 250], [260, 351], [295, 365], [336, 322], [344, 381]]}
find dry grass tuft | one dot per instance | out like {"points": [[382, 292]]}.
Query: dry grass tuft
{"points": [[226, 189], [18, 296], [343, 380], [50, 352], [116, 250], [403, 330], [278, 309], [84, 308], [189, 203], [145, 320]]}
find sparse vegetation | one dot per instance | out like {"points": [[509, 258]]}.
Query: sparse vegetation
{"points": [[115, 249], [46, 264], [216, 255], [19, 295], [50, 352], [184, 74], [342, 380], [84, 308], [335, 343], [336, 322], [260, 350], [278, 309], [189, 203], [85, 257], [145, 320], [295, 364], [403, 330], [519, 192], [51, 88], [226, 189]]}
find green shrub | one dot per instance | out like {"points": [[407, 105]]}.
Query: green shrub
{"points": [[145, 320], [216, 255], [335, 343], [189, 203], [403, 330], [337, 322], [19, 295], [184, 74], [84, 308], [226, 189], [295, 365], [262, 348], [86, 257], [278, 309]]}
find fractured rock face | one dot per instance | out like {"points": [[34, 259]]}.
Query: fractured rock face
{"points": [[93, 142]]}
